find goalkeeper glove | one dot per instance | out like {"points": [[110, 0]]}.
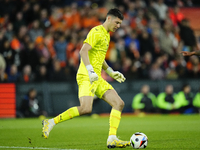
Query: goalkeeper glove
{"points": [[115, 75], [92, 75]]}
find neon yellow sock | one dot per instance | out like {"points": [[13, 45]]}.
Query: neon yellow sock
{"points": [[68, 114], [115, 117]]}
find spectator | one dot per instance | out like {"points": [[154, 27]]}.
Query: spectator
{"points": [[35, 14], [26, 10], [29, 106], [89, 18], [120, 46], [42, 74], [146, 43], [58, 73], [68, 16], [187, 36], [176, 16], [193, 67], [3, 75], [8, 53], [185, 100], [161, 9], [76, 17], [4, 21], [27, 75], [14, 75], [196, 101], [180, 67], [155, 29], [139, 21], [61, 48], [131, 10], [30, 57], [25, 41], [151, 11], [176, 32], [132, 45], [44, 20], [140, 4], [166, 101], [127, 67], [156, 73], [146, 65], [21, 35], [56, 17], [109, 4], [168, 42], [18, 22], [43, 52], [35, 31], [144, 101], [49, 42], [10, 32], [73, 48], [2, 40], [15, 46]]}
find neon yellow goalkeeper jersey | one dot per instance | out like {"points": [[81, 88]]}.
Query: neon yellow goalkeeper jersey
{"points": [[99, 39]]}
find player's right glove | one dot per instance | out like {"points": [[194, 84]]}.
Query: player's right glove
{"points": [[115, 75], [92, 75]]}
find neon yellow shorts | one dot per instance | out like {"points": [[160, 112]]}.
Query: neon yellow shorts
{"points": [[98, 87]]}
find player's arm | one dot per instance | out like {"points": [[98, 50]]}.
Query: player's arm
{"points": [[114, 74], [84, 53], [85, 58], [105, 65], [197, 52]]}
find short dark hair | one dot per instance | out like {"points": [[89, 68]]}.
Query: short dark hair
{"points": [[116, 12], [185, 85]]}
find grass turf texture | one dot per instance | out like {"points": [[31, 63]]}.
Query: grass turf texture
{"points": [[170, 132]]}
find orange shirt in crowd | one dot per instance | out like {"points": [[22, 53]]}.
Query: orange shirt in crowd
{"points": [[89, 22]]}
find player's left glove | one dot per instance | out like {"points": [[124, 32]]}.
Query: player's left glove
{"points": [[115, 75]]}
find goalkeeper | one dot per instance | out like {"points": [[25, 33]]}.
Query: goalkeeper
{"points": [[91, 83]]}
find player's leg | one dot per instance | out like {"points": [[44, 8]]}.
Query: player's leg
{"points": [[84, 108], [112, 98], [86, 101], [106, 92]]}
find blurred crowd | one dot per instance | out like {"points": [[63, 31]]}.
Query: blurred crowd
{"points": [[184, 101], [41, 40]]}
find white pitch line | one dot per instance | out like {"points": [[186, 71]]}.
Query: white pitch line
{"points": [[9, 147]]}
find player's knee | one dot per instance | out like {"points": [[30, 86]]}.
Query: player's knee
{"points": [[86, 110], [121, 104]]}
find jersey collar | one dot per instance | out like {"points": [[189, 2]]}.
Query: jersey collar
{"points": [[104, 30]]}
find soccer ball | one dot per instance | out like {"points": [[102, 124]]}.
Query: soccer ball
{"points": [[139, 140]]}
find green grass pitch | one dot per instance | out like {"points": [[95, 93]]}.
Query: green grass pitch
{"points": [[165, 132]]}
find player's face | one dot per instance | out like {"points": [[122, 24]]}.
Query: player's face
{"points": [[115, 23]]}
